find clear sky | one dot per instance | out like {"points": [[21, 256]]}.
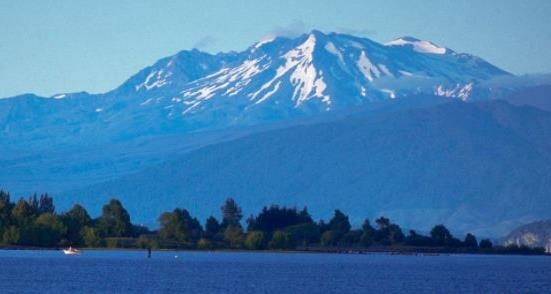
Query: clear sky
{"points": [[49, 47]]}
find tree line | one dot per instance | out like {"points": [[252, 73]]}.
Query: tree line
{"points": [[34, 222]]}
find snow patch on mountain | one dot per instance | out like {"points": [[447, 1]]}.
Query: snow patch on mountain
{"points": [[391, 94], [59, 96], [368, 69], [418, 45], [155, 79], [308, 82], [227, 81], [459, 91], [330, 47], [264, 41], [385, 70]]}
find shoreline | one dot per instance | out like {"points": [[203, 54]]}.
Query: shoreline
{"points": [[355, 251]]}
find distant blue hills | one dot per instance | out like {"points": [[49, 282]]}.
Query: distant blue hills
{"points": [[480, 167]]}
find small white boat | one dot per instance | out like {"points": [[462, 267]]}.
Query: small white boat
{"points": [[71, 251]]}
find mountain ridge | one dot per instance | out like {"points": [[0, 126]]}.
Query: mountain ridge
{"points": [[278, 79], [421, 166]]}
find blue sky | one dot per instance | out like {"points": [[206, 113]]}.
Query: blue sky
{"points": [[49, 47]]}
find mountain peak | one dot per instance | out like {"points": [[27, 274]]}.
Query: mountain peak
{"points": [[409, 39], [317, 33], [420, 46], [264, 40]]}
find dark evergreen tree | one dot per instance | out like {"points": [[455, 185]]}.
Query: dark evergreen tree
{"points": [[34, 204], [368, 234], [470, 241], [231, 213], [339, 223], [303, 234], [382, 222], [212, 228], [4, 196], [485, 244], [441, 236], [277, 218], [415, 239], [395, 235], [46, 204]]}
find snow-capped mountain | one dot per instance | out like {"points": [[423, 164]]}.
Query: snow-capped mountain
{"points": [[312, 73], [274, 79], [176, 114]]}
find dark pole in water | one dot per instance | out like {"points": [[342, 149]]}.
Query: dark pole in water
{"points": [[149, 252]]}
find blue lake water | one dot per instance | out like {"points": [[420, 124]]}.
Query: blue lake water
{"points": [[224, 272]]}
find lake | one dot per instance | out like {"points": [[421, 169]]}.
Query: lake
{"points": [[248, 272]]}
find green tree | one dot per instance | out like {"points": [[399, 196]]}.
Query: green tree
{"points": [[205, 244], [178, 225], [388, 233], [280, 240], [5, 209], [351, 238], [22, 213], [470, 241], [254, 240], [303, 234], [11, 235], [233, 235], [114, 220], [75, 220], [231, 213], [48, 230], [329, 238], [91, 237]]}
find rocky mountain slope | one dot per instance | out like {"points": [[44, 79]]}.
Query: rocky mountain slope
{"points": [[481, 167]]}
